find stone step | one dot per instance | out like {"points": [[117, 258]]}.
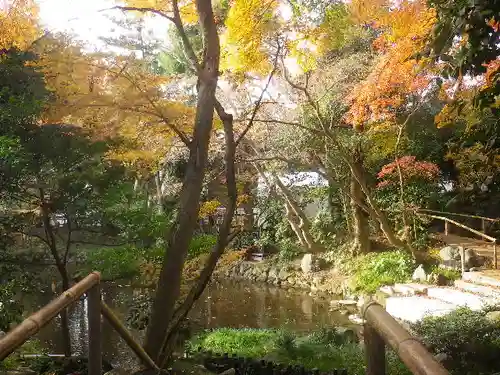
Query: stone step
{"points": [[415, 308], [408, 289], [479, 278], [477, 288], [459, 298]]}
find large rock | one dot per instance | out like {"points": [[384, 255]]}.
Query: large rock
{"points": [[272, 275], [312, 263], [284, 274], [419, 274], [307, 263], [451, 257]]}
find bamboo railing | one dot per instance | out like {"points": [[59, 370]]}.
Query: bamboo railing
{"points": [[448, 221], [382, 329], [90, 285]]}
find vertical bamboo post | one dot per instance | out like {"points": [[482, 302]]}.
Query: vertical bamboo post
{"points": [[374, 351], [94, 319], [483, 226], [495, 253], [462, 258], [446, 228]]}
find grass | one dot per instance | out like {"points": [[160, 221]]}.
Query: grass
{"points": [[323, 350]]}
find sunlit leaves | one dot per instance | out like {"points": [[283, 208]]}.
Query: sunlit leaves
{"points": [[114, 97], [398, 76], [18, 24], [249, 23]]}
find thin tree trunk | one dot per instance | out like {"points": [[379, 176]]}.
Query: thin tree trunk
{"points": [[159, 195], [358, 173], [64, 318], [223, 237], [178, 242], [347, 214], [61, 267], [295, 226], [303, 222]]}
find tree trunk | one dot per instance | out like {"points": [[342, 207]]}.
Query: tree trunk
{"points": [[159, 195], [358, 173], [303, 223], [64, 316], [178, 242], [248, 206], [50, 240], [360, 224], [223, 238], [295, 226]]}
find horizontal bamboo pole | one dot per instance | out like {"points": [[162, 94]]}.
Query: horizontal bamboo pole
{"points": [[125, 335], [409, 349], [445, 219], [15, 338], [457, 214]]}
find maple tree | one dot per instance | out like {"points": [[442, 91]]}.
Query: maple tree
{"points": [[18, 24]]}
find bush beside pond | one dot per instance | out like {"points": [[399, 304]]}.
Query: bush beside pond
{"points": [[326, 349], [371, 271], [469, 341]]}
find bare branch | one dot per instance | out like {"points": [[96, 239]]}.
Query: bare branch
{"points": [[259, 101], [188, 47], [142, 10]]}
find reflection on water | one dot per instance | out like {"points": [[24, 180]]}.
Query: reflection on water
{"points": [[227, 304], [260, 306]]}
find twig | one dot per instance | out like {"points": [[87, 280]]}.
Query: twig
{"points": [[259, 101]]}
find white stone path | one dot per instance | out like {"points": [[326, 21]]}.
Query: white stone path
{"points": [[412, 302]]}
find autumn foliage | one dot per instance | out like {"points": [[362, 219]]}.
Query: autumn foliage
{"points": [[18, 24], [398, 75], [411, 170]]}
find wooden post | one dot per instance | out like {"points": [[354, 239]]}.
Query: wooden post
{"points": [[483, 226], [462, 258], [374, 351], [413, 354], [446, 228], [495, 253], [95, 339]]}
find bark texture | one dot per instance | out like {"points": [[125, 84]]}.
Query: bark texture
{"points": [[178, 242]]}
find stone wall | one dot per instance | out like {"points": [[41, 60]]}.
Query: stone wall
{"points": [[285, 275]]}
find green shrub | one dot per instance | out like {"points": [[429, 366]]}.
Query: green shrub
{"points": [[373, 270], [201, 244], [114, 262], [450, 274], [14, 361], [253, 343], [288, 250], [244, 240], [470, 341], [290, 348], [11, 310]]}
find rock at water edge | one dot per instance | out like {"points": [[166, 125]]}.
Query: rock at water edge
{"points": [[306, 265], [419, 274]]}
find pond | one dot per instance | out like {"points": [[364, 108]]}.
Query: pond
{"points": [[226, 304]]}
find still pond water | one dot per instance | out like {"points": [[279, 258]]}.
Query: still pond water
{"points": [[227, 304]]}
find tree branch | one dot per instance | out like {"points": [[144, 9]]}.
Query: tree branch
{"points": [[142, 10], [188, 47], [259, 101]]}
